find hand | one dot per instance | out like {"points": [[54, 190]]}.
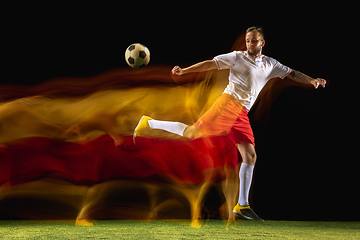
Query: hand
{"points": [[317, 82], [177, 71]]}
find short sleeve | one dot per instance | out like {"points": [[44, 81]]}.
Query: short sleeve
{"points": [[280, 70], [225, 61]]}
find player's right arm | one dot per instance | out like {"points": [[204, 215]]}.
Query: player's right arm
{"points": [[198, 67]]}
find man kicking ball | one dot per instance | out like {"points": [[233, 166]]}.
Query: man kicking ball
{"points": [[249, 72]]}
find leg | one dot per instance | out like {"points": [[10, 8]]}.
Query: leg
{"points": [[220, 117], [248, 154], [192, 132], [177, 128]]}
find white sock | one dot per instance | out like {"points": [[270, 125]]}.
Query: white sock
{"points": [[245, 174], [173, 127]]}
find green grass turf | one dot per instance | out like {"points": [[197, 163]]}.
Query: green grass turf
{"points": [[178, 229]]}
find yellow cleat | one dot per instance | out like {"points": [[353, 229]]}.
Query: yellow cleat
{"points": [[245, 212], [239, 207], [141, 127]]}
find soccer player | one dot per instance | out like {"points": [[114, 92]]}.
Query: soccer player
{"points": [[249, 72]]}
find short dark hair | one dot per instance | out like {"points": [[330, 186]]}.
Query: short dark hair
{"points": [[257, 29]]}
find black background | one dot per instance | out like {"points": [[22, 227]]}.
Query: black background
{"points": [[306, 167]]}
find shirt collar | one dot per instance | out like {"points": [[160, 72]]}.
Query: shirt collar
{"points": [[256, 59]]}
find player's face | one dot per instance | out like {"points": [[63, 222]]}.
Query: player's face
{"points": [[254, 43]]}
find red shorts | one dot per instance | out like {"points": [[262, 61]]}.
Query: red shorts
{"points": [[227, 115]]}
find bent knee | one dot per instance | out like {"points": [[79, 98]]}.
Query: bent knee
{"points": [[248, 153], [250, 158], [192, 132]]}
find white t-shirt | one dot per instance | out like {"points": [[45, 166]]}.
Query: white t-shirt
{"points": [[248, 75]]}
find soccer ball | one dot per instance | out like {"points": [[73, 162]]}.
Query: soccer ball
{"points": [[137, 55]]}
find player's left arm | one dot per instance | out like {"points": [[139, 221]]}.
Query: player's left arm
{"points": [[303, 78]]}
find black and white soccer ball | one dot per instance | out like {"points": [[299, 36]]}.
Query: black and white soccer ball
{"points": [[137, 55]]}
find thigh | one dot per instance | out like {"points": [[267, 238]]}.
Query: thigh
{"points": [[220, 117], [241, 130]]}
